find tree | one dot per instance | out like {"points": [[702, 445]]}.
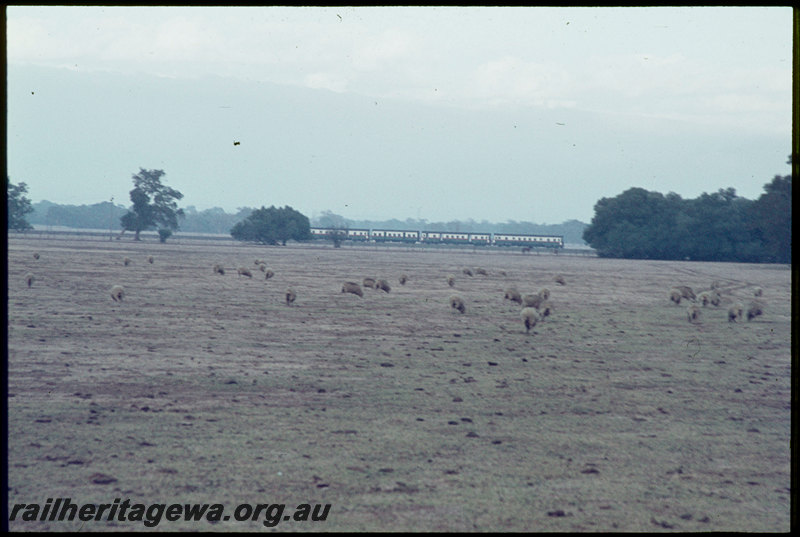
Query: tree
{"points": [[635, 224], [646, 225], [336, 225], [18, 206], [273, 226], [154, 205], [772, 219]]}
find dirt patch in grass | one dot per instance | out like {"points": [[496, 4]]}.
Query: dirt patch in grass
{"points": [[614, 414]]}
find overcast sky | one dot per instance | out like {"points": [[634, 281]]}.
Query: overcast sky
{"points": [[694, 99]]}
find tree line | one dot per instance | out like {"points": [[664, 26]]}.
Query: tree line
{"points": [[636, 224], [640, 224]]}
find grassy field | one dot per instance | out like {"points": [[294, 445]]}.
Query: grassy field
{"points": [[614, 414]]}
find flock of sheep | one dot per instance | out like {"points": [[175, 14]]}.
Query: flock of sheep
{"points": [[714, 298], [535, 307]]}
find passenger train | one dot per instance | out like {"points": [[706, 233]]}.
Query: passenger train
{"points": [[442, 237]]}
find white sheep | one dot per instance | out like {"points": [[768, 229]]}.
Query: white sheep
{"points": [[117, 292], [457, 303], [530, 317]]}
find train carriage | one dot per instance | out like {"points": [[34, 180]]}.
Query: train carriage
{"points": [[535, 241], [358, 234], [394, 235], [451, 237], [444, 237], [480, 239], [319, 233], [432, 237]]}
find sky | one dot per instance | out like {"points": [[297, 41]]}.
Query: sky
{"points": [[439, 113]]}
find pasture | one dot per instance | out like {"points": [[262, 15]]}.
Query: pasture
{"points": [[613, 414]]}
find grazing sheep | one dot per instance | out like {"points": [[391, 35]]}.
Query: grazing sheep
{"points": [[245, 272], [675, 296], [403, 279], [369, 282], [268, 273], [754, 310], [546, 309], [260, 262], [735, 312], [150, 259], [530, 317], [544, 293], [219, 269], [513, 295], [704, 298], [686, 292], [383, 285], [262, 267], [481, 271], [352, 287], [29, 278], [290, 297], [36, 255], [532, 301], [127, 261], [457, 303], [716, 299], [467, 271], [560, 280], [693, 313], [758, 291], [117, 292], [451, 280]]}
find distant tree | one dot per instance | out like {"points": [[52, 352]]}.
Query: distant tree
{"points": [[337, 234], [719, 229], [214, 220], [635, 224], [18, 206], [95, 216], [273, 226], [154, 205], [772, 219], [336, 225], [713, 227]]}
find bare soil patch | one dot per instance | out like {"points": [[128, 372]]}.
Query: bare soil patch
{"points": [[614, 414]]}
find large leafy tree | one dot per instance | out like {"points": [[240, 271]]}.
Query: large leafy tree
{"points": [[154, 205], [18, 205], [634, 224], [772, 219], [648, 225], [273, 226]]}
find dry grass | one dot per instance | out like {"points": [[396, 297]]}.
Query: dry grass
{"points": [[614, 415]]}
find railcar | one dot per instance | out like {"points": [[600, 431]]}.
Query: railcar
{"points": [[358, 234], [394, 235], [450, 237], [480, 239], [516, 239], [445, 237], [431, 236], [319, 233]]}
